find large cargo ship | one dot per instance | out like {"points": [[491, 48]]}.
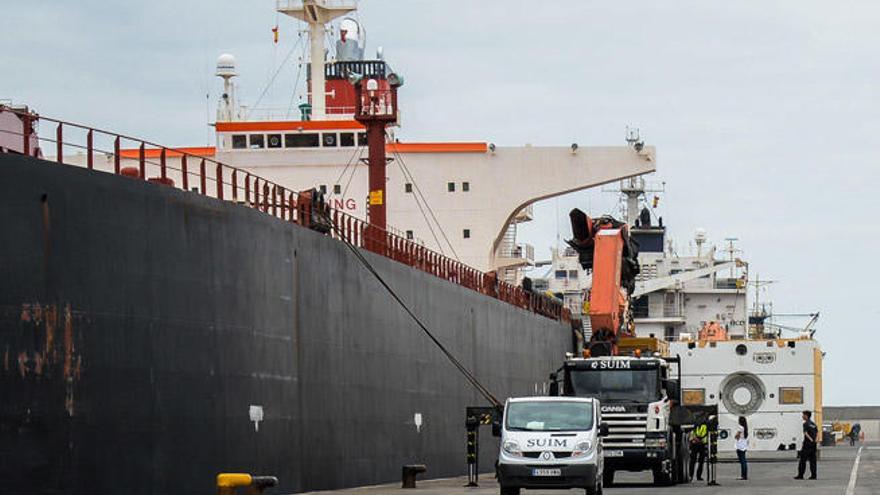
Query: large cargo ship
{"points": [[165, 315], [152, 338]]}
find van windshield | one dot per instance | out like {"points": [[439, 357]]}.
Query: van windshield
{"points": [[550, 416]]}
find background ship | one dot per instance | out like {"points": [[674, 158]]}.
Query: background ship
{"points": [[732, 356]]}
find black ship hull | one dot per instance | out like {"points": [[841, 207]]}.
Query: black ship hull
{"points": [[151, 338]]}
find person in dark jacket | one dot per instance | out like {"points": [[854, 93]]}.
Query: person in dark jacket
{"points": [[854, 434], [808, 448]]}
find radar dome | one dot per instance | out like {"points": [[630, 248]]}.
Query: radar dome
{"points": [[226, 65], [700, 235]]}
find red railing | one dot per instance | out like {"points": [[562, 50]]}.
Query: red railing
{"points": [[177, 167]]}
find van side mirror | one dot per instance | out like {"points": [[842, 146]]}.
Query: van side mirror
{"points": [[496, 428], [603, 429], [553, 390]]}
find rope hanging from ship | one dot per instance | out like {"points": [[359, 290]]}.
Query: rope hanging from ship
{"points": [[408, 175], [446, 352]]}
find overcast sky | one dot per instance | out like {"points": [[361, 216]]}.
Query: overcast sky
{"points": [[764, 114]]}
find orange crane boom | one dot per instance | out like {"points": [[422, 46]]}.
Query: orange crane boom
{"points": [[605, 248]]}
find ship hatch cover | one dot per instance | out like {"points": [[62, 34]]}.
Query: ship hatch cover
{"points": [[742, 393]]}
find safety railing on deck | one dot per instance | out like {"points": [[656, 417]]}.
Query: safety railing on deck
{"points": [[97, 149]]}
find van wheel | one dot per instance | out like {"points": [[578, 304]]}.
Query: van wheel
{"points": [[509, 490], [608, 477]]}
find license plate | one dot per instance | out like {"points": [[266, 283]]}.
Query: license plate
{"points": [[613, 453], [546, 472]]}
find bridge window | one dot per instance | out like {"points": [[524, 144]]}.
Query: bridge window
{"points": [[693, 396], [239, 141], [329, 139], [409, 235], [408, 187], [465, 186], [467, 233], [791, 395], [362, 139], [450, 186], [323, 188], [346, 139], [573, 274], [302, 140], [274, 140], [337, 189], [561, 274], [257, 141], [640, 307]]}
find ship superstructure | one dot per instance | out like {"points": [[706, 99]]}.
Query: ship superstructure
{"points": [[462, 199]]}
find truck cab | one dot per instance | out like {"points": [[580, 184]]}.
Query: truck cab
{"points": [[637, 397], [551, 442]]}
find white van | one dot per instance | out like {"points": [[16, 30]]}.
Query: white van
{"points": [[551, 442]]}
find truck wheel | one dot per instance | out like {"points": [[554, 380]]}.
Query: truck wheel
{"points": [[683, 475], [509, 490], [608, 477], [662, 478]]}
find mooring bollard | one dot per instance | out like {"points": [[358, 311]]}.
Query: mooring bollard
{"points": [[227, 483], [409, 474]]}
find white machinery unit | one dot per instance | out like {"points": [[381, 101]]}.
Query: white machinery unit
{"points": [[770, 382]]}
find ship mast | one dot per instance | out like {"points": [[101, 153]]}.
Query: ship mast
{"points": [[376, 108], [317, 14]]}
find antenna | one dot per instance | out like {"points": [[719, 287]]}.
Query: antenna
{"points": [[758, 284], [632, 135], [317, 14], [632, 190], [700, 239], [731, 249], [633, 138], [227, 108]]}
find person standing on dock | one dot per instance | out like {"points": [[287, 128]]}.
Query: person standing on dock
{"points": [[854, 434], [742, 445], [698, 442], [808, 448]]}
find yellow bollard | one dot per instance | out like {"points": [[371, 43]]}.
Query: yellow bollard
{"points": [[227, 483]]}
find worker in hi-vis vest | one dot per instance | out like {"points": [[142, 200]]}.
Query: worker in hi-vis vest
{"points": [[699, 443]]}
